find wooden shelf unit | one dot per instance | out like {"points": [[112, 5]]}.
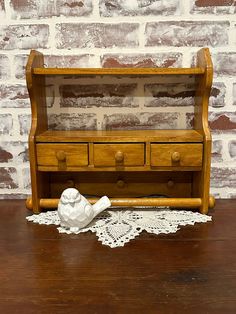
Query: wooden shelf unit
{"points": [[132, 167]]}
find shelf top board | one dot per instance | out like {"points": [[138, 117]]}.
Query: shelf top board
{"points": [[118, 71], [51, 136]]}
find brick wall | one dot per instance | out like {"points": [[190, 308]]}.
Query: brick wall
{"points": [[112, 33]]}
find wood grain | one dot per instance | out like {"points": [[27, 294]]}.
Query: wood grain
{"points": [[166, 155], [74, 154], [36, 89], [120, 167], [190, 271], [118, 71], [201, 180], [118, 155], [129, 202], [121, 136]]}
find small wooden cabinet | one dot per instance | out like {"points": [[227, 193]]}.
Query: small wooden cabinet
{"points": [[132, 167]]}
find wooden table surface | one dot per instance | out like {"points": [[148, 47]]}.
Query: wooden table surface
{"points": [[192, 271]]}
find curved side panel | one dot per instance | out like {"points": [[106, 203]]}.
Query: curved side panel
{"points": [[36, 89], [203, 92], [201, 180]]}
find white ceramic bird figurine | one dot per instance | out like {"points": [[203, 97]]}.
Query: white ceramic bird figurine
{"points": [[75, 211]]}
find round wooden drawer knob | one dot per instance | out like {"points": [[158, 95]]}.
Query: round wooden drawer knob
{"points": [[120, 184], [61, 155], [70, 183], [119, 156], [170, 184], [175, 156]]}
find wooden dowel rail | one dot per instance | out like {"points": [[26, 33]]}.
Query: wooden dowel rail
{"points": [[172, 202]]}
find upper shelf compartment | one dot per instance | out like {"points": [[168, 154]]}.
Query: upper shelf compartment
{"points": [[118, 71], [35, 67]]}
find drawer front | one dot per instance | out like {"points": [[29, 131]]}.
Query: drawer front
{"points": [[119, 154], [62, 155], [174, 155]]}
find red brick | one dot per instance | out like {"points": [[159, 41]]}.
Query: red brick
{"points": [[6, 123], [140, 7], [50, 95], [20, 64], [157, 95], [231, 195], [26, 178], [216, 195], [27, 9], [146, 60], [23, 154], [232, 148], [11, 196], [187, 33], [98, 35], [217, 150], [69, 61], [141, 121], [25, 123], [24, 36], [223, 63], [73, 121], [214, 3], [2, 8], [223, 177], [189, 120], [225, 121], [5, 156], [98, 95], [4, 67], [17, 151], [74, 8], [234, 94], [8, 177], [214, 6], [14, 96], [217, 98]]}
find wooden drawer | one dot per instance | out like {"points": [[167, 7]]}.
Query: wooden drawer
{"points": [[119, 154], [182, 155], [62, 155]]}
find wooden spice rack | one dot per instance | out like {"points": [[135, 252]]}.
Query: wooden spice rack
{"points": [[131, 167]]}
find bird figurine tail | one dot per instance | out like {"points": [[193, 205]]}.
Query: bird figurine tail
{"points": [[101, 205]]}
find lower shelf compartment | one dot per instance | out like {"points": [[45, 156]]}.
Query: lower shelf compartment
{"points": [[127, 189], [123, 184]]}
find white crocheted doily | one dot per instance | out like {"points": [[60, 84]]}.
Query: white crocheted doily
{"points": [[117, 227]]}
